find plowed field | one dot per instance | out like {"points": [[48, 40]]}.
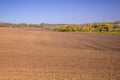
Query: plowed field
{"points": [[37, 54]]}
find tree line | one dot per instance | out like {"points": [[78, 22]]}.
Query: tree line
{"points": [[98, 27]]}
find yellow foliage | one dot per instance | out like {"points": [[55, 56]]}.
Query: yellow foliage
{"points": [[109, 26], [88, 27]]}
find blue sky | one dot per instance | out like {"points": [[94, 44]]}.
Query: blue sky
{"points": [[59, 11]]}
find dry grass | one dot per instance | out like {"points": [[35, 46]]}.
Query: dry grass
{"points": [[31, 54]]}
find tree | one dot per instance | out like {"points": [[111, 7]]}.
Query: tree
{"points": [[89, 27], [109, 26], [81, 29]]}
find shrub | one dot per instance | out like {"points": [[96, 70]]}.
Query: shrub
{"points": [[66, 28]]}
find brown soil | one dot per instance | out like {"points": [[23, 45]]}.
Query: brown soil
{"points": [[32, 54]]}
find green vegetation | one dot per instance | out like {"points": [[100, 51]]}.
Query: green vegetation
{"points": [[66, 28], [103, 28], [114, 33]]}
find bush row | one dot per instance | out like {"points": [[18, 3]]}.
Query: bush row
{"points": [[89, 28]]}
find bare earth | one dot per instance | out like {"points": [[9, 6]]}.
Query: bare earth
{"points": [[31, 54]]}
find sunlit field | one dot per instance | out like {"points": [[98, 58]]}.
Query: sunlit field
{"points": [[39, 54]]}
